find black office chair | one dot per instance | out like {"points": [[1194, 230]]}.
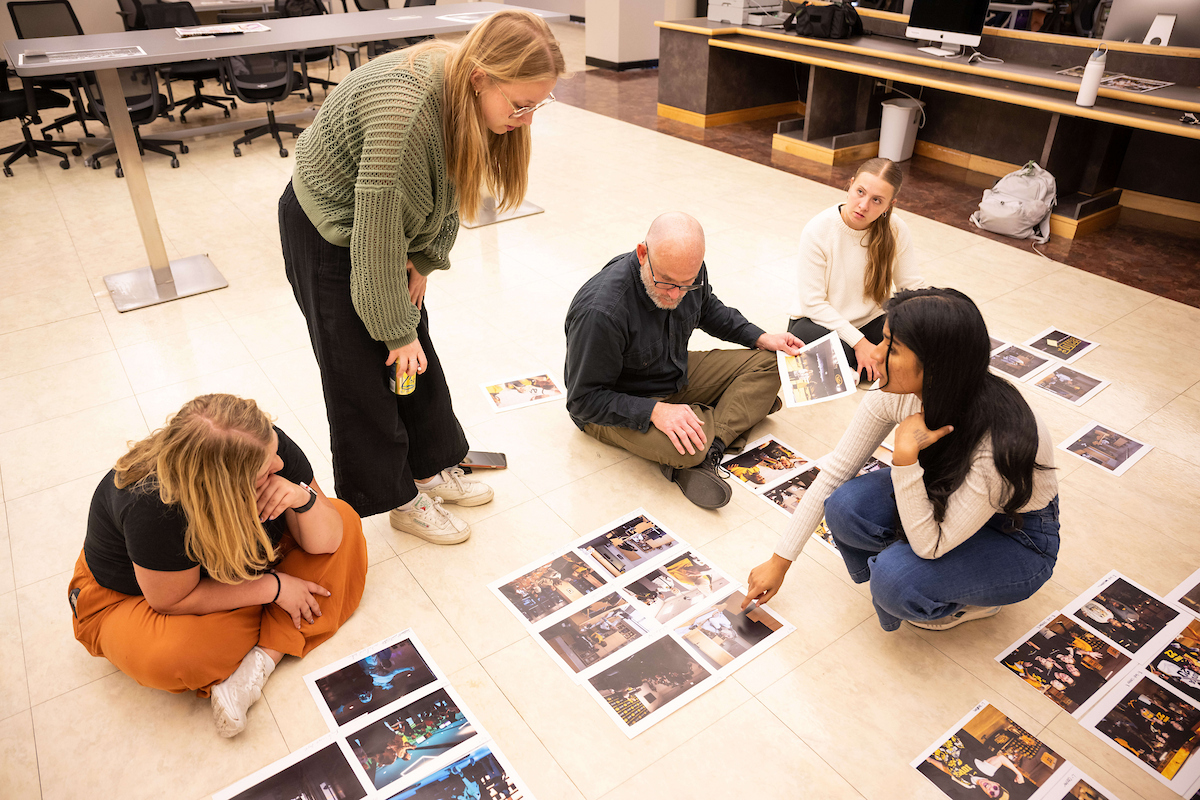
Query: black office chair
{"points": [[15, 105], [35, 19], [263, 78], [182, 15], [308, 8], [387, 46], [131, 13], [145, 103]]}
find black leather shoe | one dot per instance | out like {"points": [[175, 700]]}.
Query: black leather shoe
{"points": [[702, 484]]}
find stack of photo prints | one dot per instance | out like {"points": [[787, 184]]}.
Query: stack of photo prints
{"points": [[639, 618], [398, 731], [1119, 659], [523, 391], [1042, 364]]}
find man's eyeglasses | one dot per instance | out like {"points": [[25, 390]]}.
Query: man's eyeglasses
{"points": [[666, 284], [524, 110]]}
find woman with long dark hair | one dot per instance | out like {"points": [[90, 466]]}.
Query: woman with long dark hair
{"points": [[852, 256], [966, 519]]}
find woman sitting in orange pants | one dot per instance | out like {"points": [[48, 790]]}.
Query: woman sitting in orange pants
{"points": [[211, 554]]}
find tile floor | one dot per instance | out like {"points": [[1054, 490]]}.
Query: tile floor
{"points": [[834, 712]]}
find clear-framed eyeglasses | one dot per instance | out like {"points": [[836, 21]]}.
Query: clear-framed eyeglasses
{"points": [[523, 110], [666, 284]]}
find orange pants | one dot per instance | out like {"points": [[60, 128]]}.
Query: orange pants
{"points": [[187, 652]]}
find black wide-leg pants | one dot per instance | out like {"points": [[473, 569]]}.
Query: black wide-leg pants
{"points": [[380, 441]]}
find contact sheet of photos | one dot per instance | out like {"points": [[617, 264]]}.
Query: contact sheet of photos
{"points": [[398, 730], [638, 618]]}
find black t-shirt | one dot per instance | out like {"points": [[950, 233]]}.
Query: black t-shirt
{"points": [[133, 525]]}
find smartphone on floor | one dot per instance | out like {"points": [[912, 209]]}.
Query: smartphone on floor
{"points": [[479, 459]]}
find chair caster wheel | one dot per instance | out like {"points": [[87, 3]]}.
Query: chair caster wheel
{"points": [[7, 172], [232, 104], [182, 118], [171, 117], [237, 152], [47, 137], [95, 163], [174, 163], [227, 113], [76, 150], [282, 153], [183, 148], [120, 172], [65, 164]]}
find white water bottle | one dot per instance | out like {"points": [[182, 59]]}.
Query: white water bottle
{"points": [[1092, 73]]}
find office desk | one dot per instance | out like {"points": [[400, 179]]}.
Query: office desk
{"points": [[164, 280]]}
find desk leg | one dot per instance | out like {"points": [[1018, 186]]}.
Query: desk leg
{"points": [[489, 216], [163, 279]]}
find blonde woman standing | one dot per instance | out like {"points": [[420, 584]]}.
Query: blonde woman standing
{"points": [[210, 554], [400, 149], [852, 257]]}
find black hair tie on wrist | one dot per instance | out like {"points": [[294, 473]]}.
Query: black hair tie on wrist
{"points": [[278, 586]]}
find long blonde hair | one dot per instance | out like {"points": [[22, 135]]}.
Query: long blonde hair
{"points": [[207, 459], [509, 47], [881, 241]]}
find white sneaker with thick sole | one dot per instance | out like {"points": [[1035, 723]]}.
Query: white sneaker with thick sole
{"points": [[429, 521], [964, 614], [456, 490], [232, 697]]}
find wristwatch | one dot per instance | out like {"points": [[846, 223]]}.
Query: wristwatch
{"points": [[312, 498]]}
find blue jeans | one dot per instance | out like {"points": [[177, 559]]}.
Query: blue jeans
{"points": [[995, 567]]}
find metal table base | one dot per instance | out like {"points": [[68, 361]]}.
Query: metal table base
{"points": [[136, 288], [489, 216]]}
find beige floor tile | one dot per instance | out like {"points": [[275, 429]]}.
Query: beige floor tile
{"points": [[271, 331], [1124, 404], [68, 447], [255, 292], [296, 376], [7, 583], [15, 697], [162, 362], [47, 528], [936, 237], [1035, 311], [42, 394], [1166, 319], [55, 661], [120, 727], [245, 380], [591, 749], [1092, 293], [1194, 392], [1099, 759], [1019, 266], [893, 690], [1128, 354], [979, 284], [18, 757], [1175, 428], [160, 321], [53, 343], [41, 306]]}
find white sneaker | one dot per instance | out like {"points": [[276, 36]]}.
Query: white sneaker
{"points": [[429, 521], [455, 489], [965, 614], [232, 697]]}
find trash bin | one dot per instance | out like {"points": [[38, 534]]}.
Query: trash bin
{"points": [[898, 128]]}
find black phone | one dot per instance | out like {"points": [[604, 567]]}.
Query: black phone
{"points": [[479, 459]]}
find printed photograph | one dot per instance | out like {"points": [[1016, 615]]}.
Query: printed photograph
{"points": [[1069, 384], [520, 392], [644, 682], [1126, 614], [1066, 662], [676, 587], [1154, 726], [1082, 790], [818, 373], [408, 738], [1059, 345], [1115, 452], [1187, 594], [1017, 362], [629, 545], [324, 774], [996, 344], [787, 494], [1179, 664], [596, 632], [1077, 72], [543, 590], [764, 463], [990, 756], [823, 535], [722, 633], [880, 459], [1133, 84], [373, 682], [478, 776]]}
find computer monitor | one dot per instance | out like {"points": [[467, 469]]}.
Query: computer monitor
{"points": [[1130, 21], [957, 22]]}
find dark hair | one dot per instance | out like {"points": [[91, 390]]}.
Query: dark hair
{"points": [[947, 334]]}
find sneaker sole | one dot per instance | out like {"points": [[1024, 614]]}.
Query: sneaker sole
{"points": [[467, 502], [435, 538], [704, 491], [946, 624], [227, 727]]}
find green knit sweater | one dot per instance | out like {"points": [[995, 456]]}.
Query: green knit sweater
{"points": [[371, 175]]}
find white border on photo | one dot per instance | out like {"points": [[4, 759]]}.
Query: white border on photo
{"points": [[407, 634], [1124, 466], [490, 746], [1189, 772], [1060, 787], [1159, 640], [812, 465], [1036, 379], [1088, 346], [704, 600], [758, 490], [310, 749], [1086, 706], [533, 401], [1043, 360], [541, 562], [653, 628], [849, 377], [1176, 595], [579, 543], [742, 659], [654, 717], [420, 768], [997, 348]]}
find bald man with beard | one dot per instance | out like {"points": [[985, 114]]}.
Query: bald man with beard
{"points": [[631, 381]]}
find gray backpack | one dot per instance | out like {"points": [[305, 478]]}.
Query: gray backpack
{"points": [[1019, 204]]}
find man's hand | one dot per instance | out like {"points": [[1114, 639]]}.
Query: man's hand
{"points": [[681, 425], [779, 341], [913, 436], [416, 285], [864, 351], [765, 580]]}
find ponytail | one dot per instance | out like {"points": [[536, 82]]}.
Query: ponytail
{"points": [[881, 239]]}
